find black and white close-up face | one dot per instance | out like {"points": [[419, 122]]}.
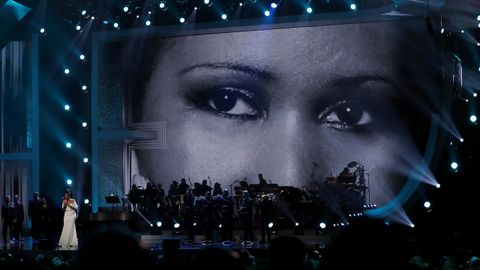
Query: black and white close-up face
{"points": [[294, 104]]}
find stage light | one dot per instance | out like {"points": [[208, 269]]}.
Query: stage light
{"points": [[412, 225], [309, 10], [84, 87], [323, 225], [454, 165], [438, 185], [194, 224], [224, 16], [86, 201], [463, 31], [176, 225], [478, 25], [220, 226], [427, 204], [115, 25], [78, 27], [478, 44], [84, 124], [267, 13], [84, 12], [159, 224], [353, 6], [387, 222], [195, 8], [66, 107], [148, 23], [270, 225], [297, 224], [125, 9], [274, 5], [181, 20], [475, 94], [442, 30], [478, 18], [206, 2], [82, 57], [68, 145], [462, 140], [138, 16], [342, 224], [93, 18], [149, 13], [161, 5], [240, 4], [66, 71], [42, 30], [69, 182], [473, 118], [85, 160]]}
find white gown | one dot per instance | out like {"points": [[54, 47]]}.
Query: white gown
{"points": [[68, 238]]}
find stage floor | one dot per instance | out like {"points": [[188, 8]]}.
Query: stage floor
{"points": [[154, 242]]}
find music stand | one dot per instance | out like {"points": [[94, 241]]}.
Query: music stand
{"points": [[112, 199]]}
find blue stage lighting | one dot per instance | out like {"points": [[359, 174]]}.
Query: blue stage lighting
{"points": [[454, 165], [412, 225], [85, 160], [475, 94], [473, 118], [438, 185], [270, 225], [161, 5], [159, 224], [322, 225], [69, 182], [78, 27], [84, 87], [224, 16], [68, 145], [84, 124], [176, 225], [353, 6], [66, 107], [267, 13], [427, 204], [125, 9], [42, 30], [86, 201], [82, 57], [219, 226], [274, 5], [309, 10], [181, 20], [84, 12], [115, 25], [297, 224], [66, 71], [442, 30], [206, 2], [148, 23]]}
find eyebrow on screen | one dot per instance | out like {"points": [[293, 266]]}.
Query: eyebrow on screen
{"points": [[349, 81], [246, 69]]}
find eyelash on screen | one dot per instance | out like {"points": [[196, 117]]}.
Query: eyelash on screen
{"points": [[339, 125]]}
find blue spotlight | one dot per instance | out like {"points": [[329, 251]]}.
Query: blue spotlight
{"points": [[427, 204], [224, 16], [115, 25], [85, 160], [148, 23], [69, 182], [125, 9], [454, 165], [68, 145], [412, 225], [84, 12], [161, 5], [462, 31], [478, 18], [84, 124], [82, 57], [442, 30], [42, 30], [274, 5], [438, 185], [176, 225], [86, 201], [270, 225], [266, 13], [322, 225], [473, 118], [181, 20], [309, 10], [66, 71], [159, 224], [84, 87], [353, 6], [78, 27], [240, 4], [66, 107], [462, 140], [475, 94], [206, 2]]}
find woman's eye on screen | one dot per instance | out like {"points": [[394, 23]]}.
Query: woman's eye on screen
{"points": [[229, 102], [346, 115]]}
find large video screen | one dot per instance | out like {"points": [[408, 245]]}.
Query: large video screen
{"points": [[340, 111]]}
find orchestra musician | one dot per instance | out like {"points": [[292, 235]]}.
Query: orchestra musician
{"points": [[246, 214]]}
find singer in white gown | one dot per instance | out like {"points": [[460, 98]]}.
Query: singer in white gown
{"points": [[68, 238]]}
